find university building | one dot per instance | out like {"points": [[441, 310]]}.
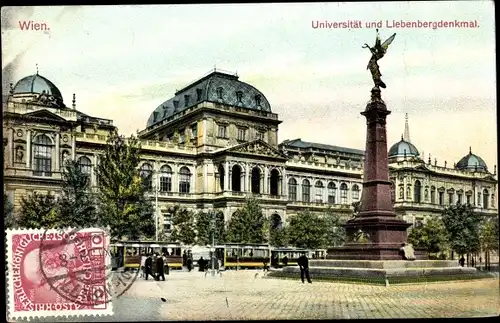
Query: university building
{"points": [[214, 143]]}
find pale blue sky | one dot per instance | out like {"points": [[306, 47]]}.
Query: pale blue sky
{"points": [[123, 61]]}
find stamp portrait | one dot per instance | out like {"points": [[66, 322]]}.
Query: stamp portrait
{"points": [[58, 272]]}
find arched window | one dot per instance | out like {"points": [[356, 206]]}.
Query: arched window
{"points": [[343, 193], [184, 180], [486, 198], [42, 156], [236, 179], [318, 191], [332, 189], [355, 193], [417, 191], [275, 176], [306, 191], [292, 189], [146, 173], [85, 165], [221, 177], [165, 179], [256, 180]]}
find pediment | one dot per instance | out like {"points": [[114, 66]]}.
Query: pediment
{"points": [[45, 114], [257, 148]]}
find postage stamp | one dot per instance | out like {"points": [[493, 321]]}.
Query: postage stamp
{"points": [[59, 272]]}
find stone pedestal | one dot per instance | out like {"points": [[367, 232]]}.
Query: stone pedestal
{"points": [[376, 221]]}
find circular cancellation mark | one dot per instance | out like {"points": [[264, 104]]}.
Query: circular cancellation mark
{"points": [[75, 265]]}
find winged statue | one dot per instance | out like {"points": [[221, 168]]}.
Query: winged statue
{"points": [[378, 51]]}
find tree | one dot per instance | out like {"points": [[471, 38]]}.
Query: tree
{"points": [[183, 226], [335, 234], [462, 225], [204, 227], [121, 198], [307, 230], [39, 211], [8, 213], [432, 236], [77, 205], [248, 224], [489, 237]]}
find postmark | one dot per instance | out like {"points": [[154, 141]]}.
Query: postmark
{"points": [[58, 272]]}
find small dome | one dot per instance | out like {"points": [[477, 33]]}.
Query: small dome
{"points": [[37, 84], [472, 162], [402, 149]]}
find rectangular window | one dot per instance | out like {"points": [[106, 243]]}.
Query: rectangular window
{"points": [[331, 195], [186, 101], [292, 192], [198, 94], [343, 196], [222, 131], [433, 196], [459, 198], [450, 198], [239, 96], [468, 199], [241, 134], [441, 198], [166, 182], [478, 199], [194, 131]]}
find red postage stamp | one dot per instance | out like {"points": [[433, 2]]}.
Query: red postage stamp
{"points": [[58, 272]]}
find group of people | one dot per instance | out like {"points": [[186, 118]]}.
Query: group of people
{"points": [[155, 266]]}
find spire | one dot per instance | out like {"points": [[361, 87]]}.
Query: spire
{"points": [[36, 68], [407, 130], [402, 137], [470, 150], [74, 101]]}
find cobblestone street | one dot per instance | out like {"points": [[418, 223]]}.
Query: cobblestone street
{"points": [[247, 295], [243, 295]]}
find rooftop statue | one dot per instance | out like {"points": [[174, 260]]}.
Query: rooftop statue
{"points": [[378, 51]]}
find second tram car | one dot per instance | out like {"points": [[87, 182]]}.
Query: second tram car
{"points": [[281, 257], [128, 254], [242, 256]]}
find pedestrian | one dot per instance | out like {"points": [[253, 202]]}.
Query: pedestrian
{"points": [[160, 270], [201, 264], [149, 266], [461, 262], [472, 261], [303, 263], [189, 263], [184, 258], [143, 265]]}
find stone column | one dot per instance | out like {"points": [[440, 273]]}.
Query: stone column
{"points": [[58, 153], [226, 176], [205, 176], [247, 180], [93, 175], [284, 185], [299, 188], [265, 188], [175, 178], [28, 149], [73, 147], [10, 148]]}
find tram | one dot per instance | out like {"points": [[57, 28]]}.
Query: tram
{"points": [[243, 256], [281, 257], [317, 254], [128, 254]]}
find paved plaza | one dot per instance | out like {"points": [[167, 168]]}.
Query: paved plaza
{"points": [[247, 295]]}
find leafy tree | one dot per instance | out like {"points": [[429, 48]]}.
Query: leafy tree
{"points": [[462, 225], [432, 236], [122, 201], [39, 211], [204, 227], [248, 224], [307, 230], [77, 205], [183, 226], [335, 234], [489, 233], [8, 213]]}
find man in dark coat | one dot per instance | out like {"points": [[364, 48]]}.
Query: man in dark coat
{"points": [[201, 264], [190, 263], [303, 263], [149, 266], [160, 270], [184, 258]]}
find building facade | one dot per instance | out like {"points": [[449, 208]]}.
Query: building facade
{"points": [[214, 143]]}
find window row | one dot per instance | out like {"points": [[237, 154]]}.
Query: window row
{"points": [[239, 96], [165, 178], [483, 198], [319, 192]]}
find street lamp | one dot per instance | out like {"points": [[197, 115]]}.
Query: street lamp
{"points": [[156, 188], [212, 229]]}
